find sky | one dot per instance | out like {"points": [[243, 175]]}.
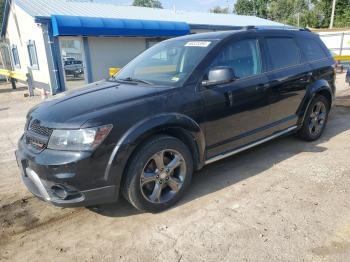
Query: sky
{"points": [[188, 5]]}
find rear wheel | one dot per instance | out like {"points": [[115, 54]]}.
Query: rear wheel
{"points": [[315, 120], [158, 174]]}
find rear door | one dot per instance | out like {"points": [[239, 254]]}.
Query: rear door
{"points": [[319, 58], [236, 111], [289, 75]]}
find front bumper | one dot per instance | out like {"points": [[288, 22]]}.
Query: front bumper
{"points": [[66, 179]]}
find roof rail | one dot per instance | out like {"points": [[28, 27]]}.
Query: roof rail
{"points": [[248, 27], [282, 27]]}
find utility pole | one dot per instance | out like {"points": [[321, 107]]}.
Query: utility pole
{"points": [[332, 16]]}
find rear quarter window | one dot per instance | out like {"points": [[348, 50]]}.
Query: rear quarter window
{"points": [[312, 49], [284, 52]]}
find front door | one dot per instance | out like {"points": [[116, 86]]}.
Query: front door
{"points": [[72, 62], [237, 112]]}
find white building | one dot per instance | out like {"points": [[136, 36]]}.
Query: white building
{"points": [[65, 43]]}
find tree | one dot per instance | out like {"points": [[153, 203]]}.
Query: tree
{"points": [[343, 20], [148, 3], [244, 7], [219, 10], [305, 13], [252, 7]]}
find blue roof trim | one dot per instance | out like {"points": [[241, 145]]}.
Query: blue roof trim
{"points": [[5, 17], [96, 26]]}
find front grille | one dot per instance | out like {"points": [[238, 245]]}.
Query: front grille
{"points": [[36, 128], [37, 136]]}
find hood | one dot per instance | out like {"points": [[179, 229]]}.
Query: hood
{"points": [[74, 108]]}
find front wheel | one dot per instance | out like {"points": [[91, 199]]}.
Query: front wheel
{"points": [[315, 120], [158, 174]]}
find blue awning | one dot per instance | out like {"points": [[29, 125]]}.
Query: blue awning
{"points": [[96, 26]]}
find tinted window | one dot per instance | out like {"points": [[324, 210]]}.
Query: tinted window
{"points": [[312, 49], [242, 56], [283, 52]]}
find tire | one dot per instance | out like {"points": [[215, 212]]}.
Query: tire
{"points": [[158, 175], [315, 121]]}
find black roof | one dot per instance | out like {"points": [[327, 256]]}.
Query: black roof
{"points": [[219, 35]]}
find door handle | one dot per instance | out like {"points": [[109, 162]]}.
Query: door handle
{"points": [[307, 76], [229, 97]]}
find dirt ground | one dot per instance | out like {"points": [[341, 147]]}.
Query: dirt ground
{"points": [[286, 200]]}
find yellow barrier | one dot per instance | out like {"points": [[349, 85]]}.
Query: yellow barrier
{"points": [[13, 74], [113, 71], [342, 57]]}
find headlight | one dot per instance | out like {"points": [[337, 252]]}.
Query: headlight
{"points": [[78, 140]]}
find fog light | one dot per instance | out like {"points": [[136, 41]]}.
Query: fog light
{"points": [[60, 192], [65, 193]]}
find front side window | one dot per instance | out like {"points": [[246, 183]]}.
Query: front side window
{"points": [[312, 49], [15, 56], [168, 63], [242, 56], [283, 52], [33, 58]]}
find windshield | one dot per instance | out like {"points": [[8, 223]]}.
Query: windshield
{"points": [[168, 63]]}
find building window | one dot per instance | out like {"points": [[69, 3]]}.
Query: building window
{"points": [[15, 56], [33, 58]]}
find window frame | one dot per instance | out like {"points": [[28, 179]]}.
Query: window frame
{"points": [[232, 41], [34, 66], [15, 56], [268, 54]]}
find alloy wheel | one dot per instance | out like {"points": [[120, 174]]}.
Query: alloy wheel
{"points": [[318, 118], [163, 176]]}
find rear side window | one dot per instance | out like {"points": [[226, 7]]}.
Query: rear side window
{"points": [[283, 51], [242, 56], [312, 49]]}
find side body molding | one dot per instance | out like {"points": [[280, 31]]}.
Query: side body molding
{"points": [[179, 123]]}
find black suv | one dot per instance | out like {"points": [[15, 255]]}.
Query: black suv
{"points": [[180, 105]]}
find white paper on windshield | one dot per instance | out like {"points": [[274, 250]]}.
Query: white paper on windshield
{"points": [[198, 43]]}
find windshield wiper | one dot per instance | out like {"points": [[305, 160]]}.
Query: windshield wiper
{"points": [[135, 80]]}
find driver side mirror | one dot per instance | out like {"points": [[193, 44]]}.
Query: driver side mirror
{"points": [[219, 75]]}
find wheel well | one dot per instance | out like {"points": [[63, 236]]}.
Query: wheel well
{"points": [[188, 140], [183, 135], [327, 95]]}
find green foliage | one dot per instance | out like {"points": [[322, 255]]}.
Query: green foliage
{"points": [[244, 7], [219, 10], [148, 3], [343, 20], [305, 13]]}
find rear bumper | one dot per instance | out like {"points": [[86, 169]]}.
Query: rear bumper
{"points": [[65, 184]]}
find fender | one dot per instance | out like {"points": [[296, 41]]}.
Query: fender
{"points": [[134, 135], [318, 86]]}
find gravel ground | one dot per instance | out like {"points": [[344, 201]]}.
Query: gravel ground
{"points": [[286, 200]]}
